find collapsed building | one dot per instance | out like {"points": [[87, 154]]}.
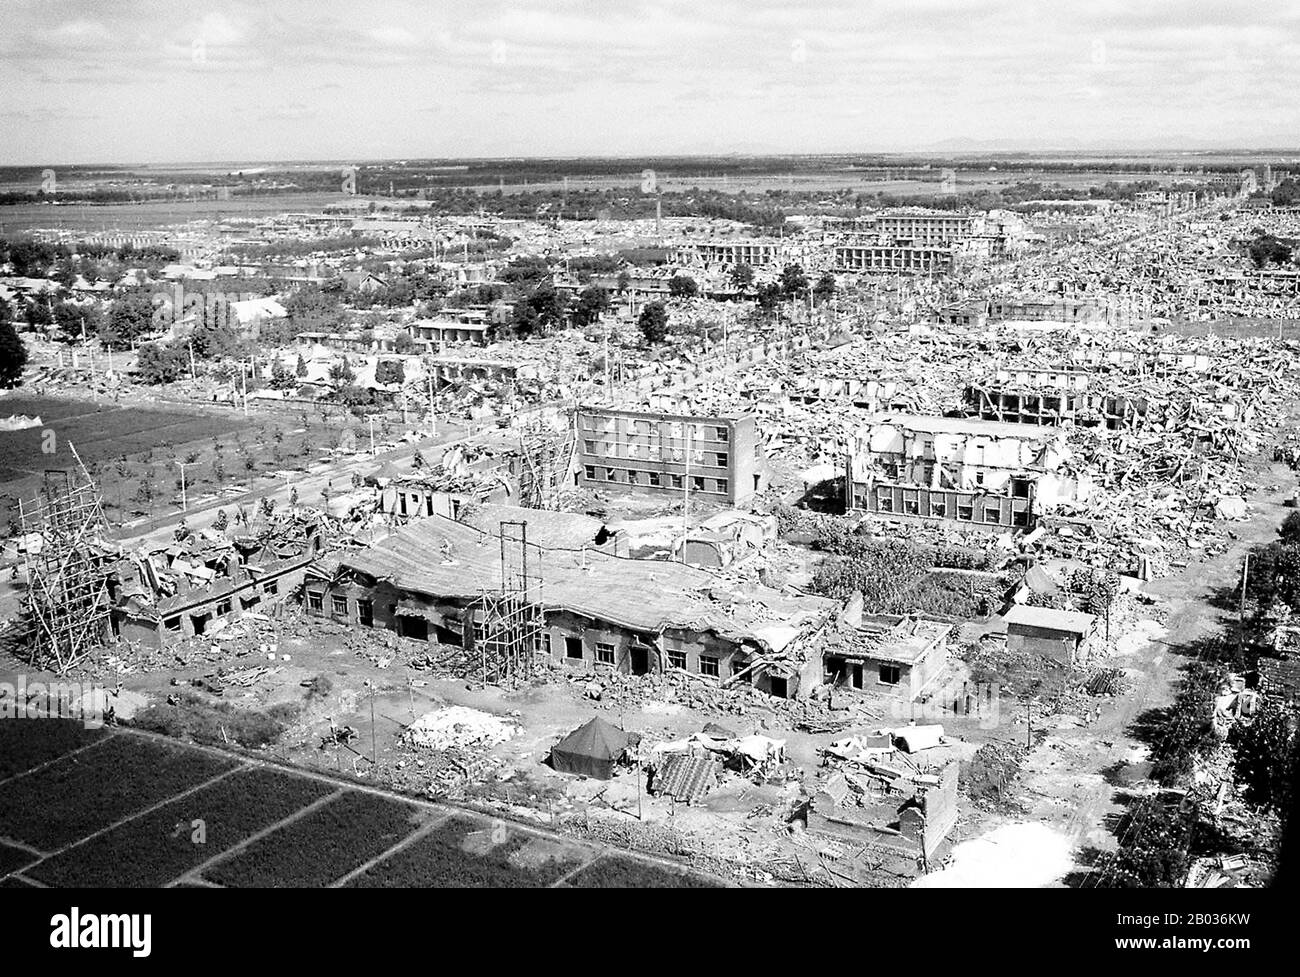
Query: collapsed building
{"points": [[896, 259], [433, 581], [881, 815], [983, 473], [899, 656], [204, 580]]}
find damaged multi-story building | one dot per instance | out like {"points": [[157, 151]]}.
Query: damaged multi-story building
{"points": [[713, 459], [894, 259], [980, 473]]}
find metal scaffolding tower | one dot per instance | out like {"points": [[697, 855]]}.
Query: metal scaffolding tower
{"points": [[67, 601], [510, 629]]}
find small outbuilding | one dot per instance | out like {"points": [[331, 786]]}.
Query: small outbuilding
{"points": [[591, 750], [1056, 634]]}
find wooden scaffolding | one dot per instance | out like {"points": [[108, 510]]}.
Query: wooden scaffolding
{"points": [[67, 603], [510, 630], [546, 457]]}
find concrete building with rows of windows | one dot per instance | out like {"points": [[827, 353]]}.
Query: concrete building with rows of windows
{"points": [[892, 259], [983, 473], [714, 459]]}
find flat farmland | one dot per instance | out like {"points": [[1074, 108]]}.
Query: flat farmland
{"points": [[321, 847], [21, 748], [151, 850], [467, 853], [100, 432], [116, 777], [152, 214], [131, 810]]}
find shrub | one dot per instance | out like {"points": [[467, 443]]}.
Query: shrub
{"points": [[1188, 730], [195, 718], [1154, 853], [1264, 756]]}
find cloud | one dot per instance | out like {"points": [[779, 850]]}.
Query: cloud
{"points": [[589, 76]]}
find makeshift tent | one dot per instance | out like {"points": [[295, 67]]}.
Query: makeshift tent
{"points": [[590, 750]]}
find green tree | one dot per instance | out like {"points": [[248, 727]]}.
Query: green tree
{"points": [[1275, 575], [592, 303], [13, 353], [1263, 757], [768, 297], [1290, 529], [404, 342], [683, 287], [64, 273], [742, 276], [390, 371], [794, 283], [341, 374], [1267, 249], [1156, 836], [300, 370], [653, 323], [825, 288], [282, 378], [129, 318], [161, 362]]}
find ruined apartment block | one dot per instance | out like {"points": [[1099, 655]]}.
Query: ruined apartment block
{"points": [[1051, 397], [714, 459], [980, 473], [892, 259], [757, 254]]}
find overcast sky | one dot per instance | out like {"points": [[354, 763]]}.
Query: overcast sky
{"points": [[153, 81]]}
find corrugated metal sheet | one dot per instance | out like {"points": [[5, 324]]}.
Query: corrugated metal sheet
{"points": [[686, 777]]}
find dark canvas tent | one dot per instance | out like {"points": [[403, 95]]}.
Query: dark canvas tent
{"points": [[591, 750]]}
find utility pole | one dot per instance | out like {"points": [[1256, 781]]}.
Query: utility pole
{"points": [[184, 505], [374, 753], [243, 376], [1241, 608], [686, 492], [371, 418]]}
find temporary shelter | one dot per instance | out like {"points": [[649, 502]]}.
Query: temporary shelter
{"points": [[591, 750]]}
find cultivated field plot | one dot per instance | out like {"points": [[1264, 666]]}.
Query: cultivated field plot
{"points": [[13, 859], [152, 214], [621, 872], [116, 809], [476, 853], [79, 794], [99, 432], [322, 846], [152, 850], [25, 744]]}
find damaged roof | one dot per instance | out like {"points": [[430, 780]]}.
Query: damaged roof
{"points": [[442, 558]]}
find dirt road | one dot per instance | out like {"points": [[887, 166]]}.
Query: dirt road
{"points": [[1065, 782]]}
